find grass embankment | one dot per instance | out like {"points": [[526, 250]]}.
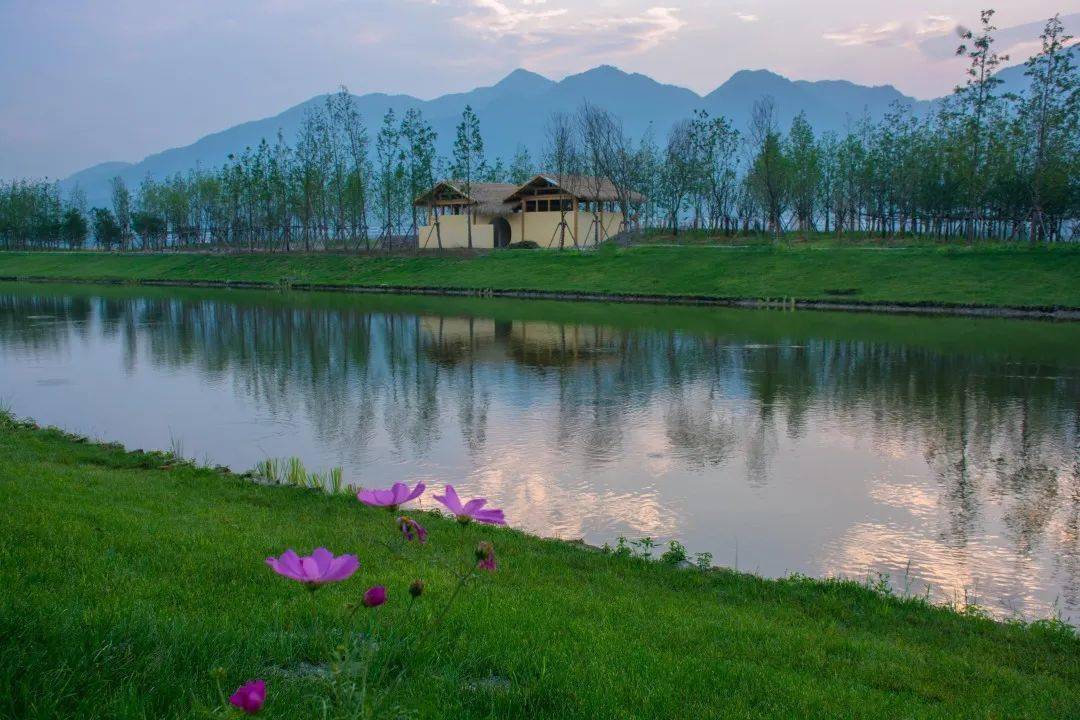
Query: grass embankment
{"points": [[995, 276], [126, 578]]}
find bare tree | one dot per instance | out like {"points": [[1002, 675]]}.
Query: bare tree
{"points": [[677, 175], [561, 159]]}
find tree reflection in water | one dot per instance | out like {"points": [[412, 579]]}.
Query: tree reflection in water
{"points": [[820, 443]]}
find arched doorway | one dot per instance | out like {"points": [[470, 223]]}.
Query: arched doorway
{"points": [[501, 231]]}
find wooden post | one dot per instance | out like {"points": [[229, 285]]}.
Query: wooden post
{"points": [[522, 238], [575, 201]]}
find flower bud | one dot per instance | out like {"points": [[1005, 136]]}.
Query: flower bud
{"points": [[374, 596], [411, 530], [485, 556]]}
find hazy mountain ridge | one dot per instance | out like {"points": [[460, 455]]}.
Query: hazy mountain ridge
{"points": [[515, 110]]}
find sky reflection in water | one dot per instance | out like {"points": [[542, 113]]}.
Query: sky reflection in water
{"points": [[940, 451]]}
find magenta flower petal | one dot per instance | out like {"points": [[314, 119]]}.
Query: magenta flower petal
{"points": [[474, 505], [472, 510], [397, 494], [385, 497], [341, 568], [414, 493], [317, 569], [291, 561], [450, 500], [250, 696], [287, 565], [323, 558], [492, 517], [311, 569]]}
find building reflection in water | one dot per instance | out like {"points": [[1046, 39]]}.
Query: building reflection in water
{"points": [[928, 449]]}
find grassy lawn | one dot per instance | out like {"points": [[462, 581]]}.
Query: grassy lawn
{"points": [[960, 275], [127, 579]]}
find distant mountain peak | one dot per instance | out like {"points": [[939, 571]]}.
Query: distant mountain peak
{"points": [[514, 112], [755, 74], [522, 79], [600, 72]]}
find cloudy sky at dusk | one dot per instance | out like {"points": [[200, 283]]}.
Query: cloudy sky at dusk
{"points": [[84, 82]]}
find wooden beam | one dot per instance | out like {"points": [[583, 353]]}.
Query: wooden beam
{"points": [[575, 222]]}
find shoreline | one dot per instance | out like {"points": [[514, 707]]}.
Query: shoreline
{"points": [[925, 308], [981, 281], [185, 543], [166, 460]]}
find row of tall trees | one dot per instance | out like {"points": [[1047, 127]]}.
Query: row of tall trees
{"points": [[982, 164]]}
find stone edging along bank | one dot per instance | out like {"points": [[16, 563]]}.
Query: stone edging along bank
{"points": [[908, 308]]}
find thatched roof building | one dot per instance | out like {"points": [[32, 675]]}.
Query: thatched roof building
{"points": [[544, 210]]}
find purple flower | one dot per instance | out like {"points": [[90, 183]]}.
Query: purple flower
{"points": [[470, 510], [485, 557], [250, 696], [398, 494], [374, 596], [318, 569], [411, 529]]}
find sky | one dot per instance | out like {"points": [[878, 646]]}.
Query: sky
{"points": [[82, 82]]}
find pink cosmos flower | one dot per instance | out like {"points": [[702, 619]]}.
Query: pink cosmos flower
{"points": [[374, 596], [398, 494], [250, 696], [319, 568], [471, 510], [411, 529]]}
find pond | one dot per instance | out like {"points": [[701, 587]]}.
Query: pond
{"points": [[941, 452]]}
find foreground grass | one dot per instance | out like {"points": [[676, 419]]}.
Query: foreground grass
{"points": [[951, 275], [126, 579]]}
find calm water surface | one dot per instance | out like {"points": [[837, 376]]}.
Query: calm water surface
{"points": [[942, 451]]}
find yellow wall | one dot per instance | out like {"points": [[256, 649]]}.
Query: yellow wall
{"points": [[454, 233], [540, 227]]}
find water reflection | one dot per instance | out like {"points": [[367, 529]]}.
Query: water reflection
{"points": [[941, 451]]}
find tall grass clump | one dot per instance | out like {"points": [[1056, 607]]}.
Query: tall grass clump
{"points": [[291, 471], [269, 471], [295, 473]]}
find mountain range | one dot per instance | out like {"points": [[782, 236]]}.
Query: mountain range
{"points": [[514, 111]]}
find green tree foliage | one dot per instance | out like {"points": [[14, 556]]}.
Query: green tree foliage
{"points": [[391, 181], [418, 139], [979, 112], [107, 232], [804, 167], [981, 165], [121, 207], [1049, 124], [468, 160], [770, 172]]}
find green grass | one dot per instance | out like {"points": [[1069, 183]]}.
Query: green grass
{"points": [[990, 275], [126, 578]]}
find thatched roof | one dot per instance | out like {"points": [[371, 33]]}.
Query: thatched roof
{"points": [[584, 187], [487, 198], [500, 198]]}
